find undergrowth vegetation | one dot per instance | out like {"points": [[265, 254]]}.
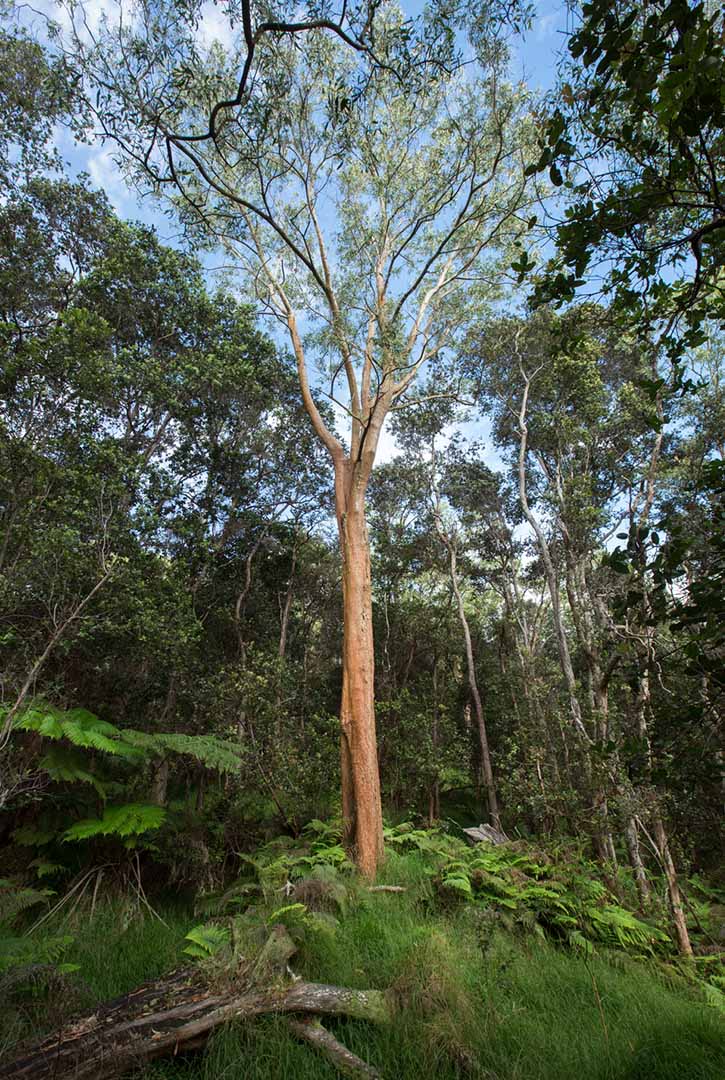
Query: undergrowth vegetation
{"points": [[502, 962]]}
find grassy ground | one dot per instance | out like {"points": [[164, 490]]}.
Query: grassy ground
{"points": [[473, 1001]]}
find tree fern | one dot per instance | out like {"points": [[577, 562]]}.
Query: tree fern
{"points": [[65, 764], [86, 730], [79, 727], [219, 754], [132, 819]]}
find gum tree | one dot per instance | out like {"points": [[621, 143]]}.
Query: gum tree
{"points": [[369, 220]]}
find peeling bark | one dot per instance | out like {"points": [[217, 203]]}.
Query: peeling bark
{"points": [[362, 806]]}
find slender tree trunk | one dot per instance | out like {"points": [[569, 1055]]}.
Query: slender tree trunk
{"points": [[160, 783], [243, 594], [631, 835], [643, 706], [58, 633], [486, 767], [286, 607], [434, 799], [361, 802], [602, 836], [673, 889]]}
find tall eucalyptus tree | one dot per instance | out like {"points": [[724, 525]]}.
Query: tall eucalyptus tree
{"points": [[367, 218]]}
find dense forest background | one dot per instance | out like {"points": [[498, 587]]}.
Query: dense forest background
{"points": [[545, 541]]}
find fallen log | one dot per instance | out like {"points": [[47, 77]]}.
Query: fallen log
{"points": [[178, 1013]]}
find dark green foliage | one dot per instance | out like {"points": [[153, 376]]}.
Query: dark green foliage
{"points": [[36, 92], [637, 130]]}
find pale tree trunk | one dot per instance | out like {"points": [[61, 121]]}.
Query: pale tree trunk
{"points": [[244, 593], [631, 835], [661, 843], [449, 542], [434, 799], [645, 651], [673, 888], [601, 834], [486, 767], [523, 636]]}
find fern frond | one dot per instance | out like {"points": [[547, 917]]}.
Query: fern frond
{"points": [[63, 764], [206, 939], [23, 951], [220, 754], [16, 897], [120, 821]]}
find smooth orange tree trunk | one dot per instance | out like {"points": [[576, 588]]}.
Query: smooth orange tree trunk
{"points": [[361, 803]]}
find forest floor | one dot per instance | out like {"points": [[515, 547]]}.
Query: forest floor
{"points": [[471, 998]]}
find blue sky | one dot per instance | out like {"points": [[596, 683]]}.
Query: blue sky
{"points": [[534, 61]]}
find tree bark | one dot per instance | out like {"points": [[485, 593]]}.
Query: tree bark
{"points": [[449, 543], [635, 861], [362, 806], [673, 889], [486, 766]]}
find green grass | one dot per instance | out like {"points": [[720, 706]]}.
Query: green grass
{"points": [[472, 1000]]}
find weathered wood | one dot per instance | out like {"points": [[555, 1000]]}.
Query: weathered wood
{"points": [[179, 1012], [486, 834], [387, 888], [344, 1060]]}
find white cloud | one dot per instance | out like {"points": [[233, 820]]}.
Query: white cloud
{"points": [[96, 9], [214, 25], [105, 174], [546, 25]]}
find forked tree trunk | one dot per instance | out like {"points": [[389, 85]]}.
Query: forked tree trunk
{"points": [[361, 802], [635, 861]]}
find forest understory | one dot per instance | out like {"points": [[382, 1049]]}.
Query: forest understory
{"points": [[486, 961]]}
